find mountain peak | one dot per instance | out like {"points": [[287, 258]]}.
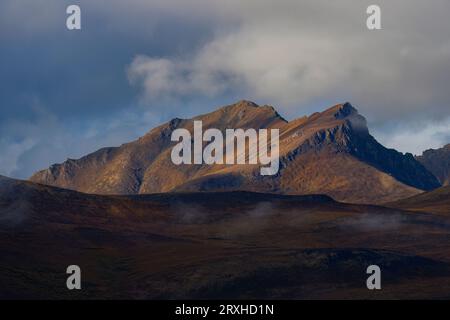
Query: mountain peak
{"points": [[328, 152], [344, 110], [340, 114], [437, 161], [239, 106], [242, 114], [341, 110], [246, 103]]}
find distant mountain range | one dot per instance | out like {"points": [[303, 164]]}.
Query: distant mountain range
{"points": [[329, 152], [437, 161]]}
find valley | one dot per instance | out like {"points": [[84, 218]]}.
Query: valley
{"points": [[235, 245]]}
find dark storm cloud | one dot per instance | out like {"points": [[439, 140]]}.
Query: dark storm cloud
{"points": [[136, 63], [58, 86], [80, 73]]}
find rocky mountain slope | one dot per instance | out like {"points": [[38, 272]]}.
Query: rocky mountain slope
{"points": [[328, 152], [437, 161]]}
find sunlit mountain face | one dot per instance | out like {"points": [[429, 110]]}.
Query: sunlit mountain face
{"points": [[329, 152]]}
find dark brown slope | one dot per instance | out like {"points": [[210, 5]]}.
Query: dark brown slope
{"points": [[330, 152], [436, 201], [437, 161], [237, 245]]}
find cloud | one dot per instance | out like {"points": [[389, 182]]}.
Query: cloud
{"points": [[307, 51], [303, 55], [373, 222], [13, 151], [28, 146], [417, 137], [164, 78]]}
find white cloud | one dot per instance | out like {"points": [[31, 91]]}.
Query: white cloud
{"points": [[298, 52], [163, 78], [11, 153], [417, 138], [46, 139]]}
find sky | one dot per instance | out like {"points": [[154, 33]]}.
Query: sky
{"points": [[135, 64]]}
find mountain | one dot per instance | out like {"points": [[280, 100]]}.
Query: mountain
{"points": [[329, 152], [437, 161], [215, 245]]}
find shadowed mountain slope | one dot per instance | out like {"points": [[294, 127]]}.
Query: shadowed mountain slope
{"points": [[437, 161]]}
